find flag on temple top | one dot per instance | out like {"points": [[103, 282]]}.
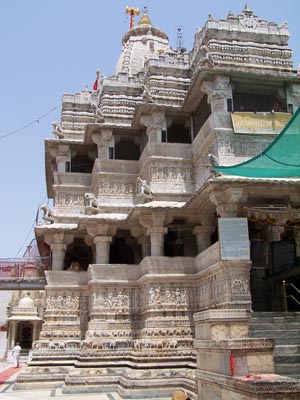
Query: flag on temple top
{"points": [[96, 84], [95, 87]]}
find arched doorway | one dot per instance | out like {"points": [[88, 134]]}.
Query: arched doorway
{"points": [[25, 334], [79, 252], [124, 249]]}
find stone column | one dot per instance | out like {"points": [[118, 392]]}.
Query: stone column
{"points": [[61, 154], [103, 140], [58, 243], [145, 245], [102, 249], [35, 331], [58, 256], [217, 90], [157, 235], [154, 223], [61, 163], [13, 333], [203, 237], [154, 124]]}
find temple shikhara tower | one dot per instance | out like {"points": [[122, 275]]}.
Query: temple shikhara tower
{"points": [[167, 266]]}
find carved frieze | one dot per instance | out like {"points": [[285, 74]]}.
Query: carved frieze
{"points": [[171, 173], [69, 199], [62, 304]]}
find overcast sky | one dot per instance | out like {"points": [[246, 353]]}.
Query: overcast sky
{"points": [[48, 48]]}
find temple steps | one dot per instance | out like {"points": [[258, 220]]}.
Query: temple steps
{"points": [[284, 329]]}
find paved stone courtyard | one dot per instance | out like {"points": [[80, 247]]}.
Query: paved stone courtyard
{"points": [[7, 392]]}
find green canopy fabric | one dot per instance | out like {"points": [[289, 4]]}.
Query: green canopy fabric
{"points": [[281, 159]]}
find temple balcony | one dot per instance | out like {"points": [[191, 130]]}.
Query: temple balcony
{"points": [[165, 150], [169, 169], [232, 138]]}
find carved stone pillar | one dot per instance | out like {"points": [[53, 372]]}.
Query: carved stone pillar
{"points": [[154, 123], [217, 90], [157, 235], [62, 154], [102, 249], [203, 236], [35, 330], [154, 223], [61, 163], [103, 140], [58, 256], [13, 333], [102, 237], [145, 245], [58, 245]]}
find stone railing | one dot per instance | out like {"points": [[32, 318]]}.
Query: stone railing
{"points": [[178, 150], [176, 60], [208, 257], [72, 178], [122, 79], [83, 97], [220, 122], [116, 166]]}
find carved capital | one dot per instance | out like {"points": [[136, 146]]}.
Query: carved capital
{"points": [[103, 137], [155, 119], [227, 203], [100, 230], [217, 89], [273, 233], [63, 149], [58, 239], [102, 239], [152, 220]]}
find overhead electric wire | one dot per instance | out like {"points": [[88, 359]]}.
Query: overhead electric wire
{"points": [[30, 230], [37, 120]]}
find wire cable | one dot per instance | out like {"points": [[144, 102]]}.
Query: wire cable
{"points": [[37, 120], [29, 232], [25, 241]]}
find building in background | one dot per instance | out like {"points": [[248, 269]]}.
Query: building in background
{"points": [[152, 278]]}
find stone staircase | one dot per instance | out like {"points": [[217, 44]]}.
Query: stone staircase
{"points": [[284, 328]]}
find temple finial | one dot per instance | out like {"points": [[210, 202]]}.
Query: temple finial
{"points": [[132, 12]]}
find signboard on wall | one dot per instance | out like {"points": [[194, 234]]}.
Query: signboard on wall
{"points": [[259, 123], [234, 238]]}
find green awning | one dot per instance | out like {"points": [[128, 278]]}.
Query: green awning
{"points": [[281, 159]]}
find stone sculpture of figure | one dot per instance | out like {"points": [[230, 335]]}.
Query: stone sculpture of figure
{"points": [[57, 130], [98, 115], [143, 187], [151, 296], [48, 215], [90, 200], [146, 95]]}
